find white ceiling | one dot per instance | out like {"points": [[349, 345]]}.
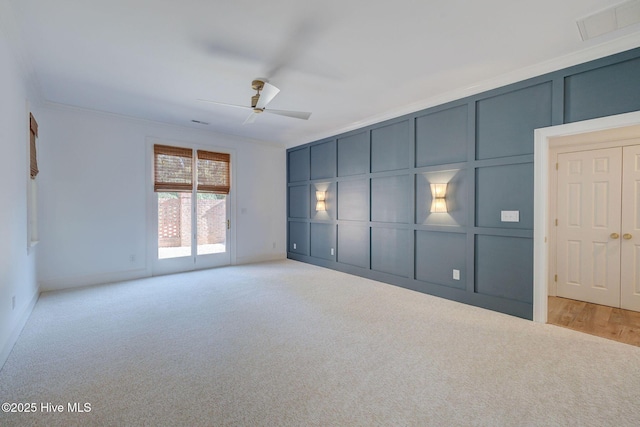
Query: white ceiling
{"points": [[349, 62]]}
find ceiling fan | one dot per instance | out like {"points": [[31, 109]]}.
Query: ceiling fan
{"points": [[265, 92]]}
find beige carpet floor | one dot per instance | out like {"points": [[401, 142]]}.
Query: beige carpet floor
{"points": [[290, 344]]}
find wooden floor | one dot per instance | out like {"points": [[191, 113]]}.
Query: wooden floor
{"points": [[607, 322]]}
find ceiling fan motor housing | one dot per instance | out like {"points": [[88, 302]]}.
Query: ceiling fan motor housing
{"points": [[257, 85]]}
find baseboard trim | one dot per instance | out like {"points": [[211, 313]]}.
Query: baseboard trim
{"points": [[13, 338], [260, 258], [96, 279]]}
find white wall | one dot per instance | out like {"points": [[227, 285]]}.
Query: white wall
{"points": [[94, 186], [17, 265]]}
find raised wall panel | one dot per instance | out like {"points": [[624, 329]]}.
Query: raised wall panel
{"points": [[353, 154], [504, 267], [353, 245], [390, 199], [353, 200], [508, 187], [457, 197], [505, 123], [390, 251], [299, 237], [323, 241], [298, 162], [437, 255], [299, 201], [605, 91], [390, 147], [441, 137], [323, 160], [489, 138]]}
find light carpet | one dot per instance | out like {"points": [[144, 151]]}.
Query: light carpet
{"points": [[290, 344]]}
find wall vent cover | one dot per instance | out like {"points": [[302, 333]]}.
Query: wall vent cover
{"points": [[609, 20]]}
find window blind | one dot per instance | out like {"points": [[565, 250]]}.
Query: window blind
{"points": [[213, 172], [33, 159], [173, 168]]}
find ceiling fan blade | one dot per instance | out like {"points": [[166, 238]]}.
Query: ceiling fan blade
{"points": [[252, 118], [294, 114], [267, 93], [244, 107]]}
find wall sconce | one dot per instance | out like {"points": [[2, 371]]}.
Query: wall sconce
{"points": [[320, 201], [438, 202]]}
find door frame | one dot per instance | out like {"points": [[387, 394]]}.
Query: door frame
{"points": [[578, 134], [151, 201]]}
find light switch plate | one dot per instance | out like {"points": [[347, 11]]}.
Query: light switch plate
{"points": [[510, 216], [456, 274]]}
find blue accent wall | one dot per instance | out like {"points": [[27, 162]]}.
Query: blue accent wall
{"points": [[377, 222]]}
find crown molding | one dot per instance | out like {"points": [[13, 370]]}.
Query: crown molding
{"points": [[597, 49]]}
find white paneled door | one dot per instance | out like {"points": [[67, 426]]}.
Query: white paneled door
{"points": [[630, 233], [589, 194], [598, 216]]}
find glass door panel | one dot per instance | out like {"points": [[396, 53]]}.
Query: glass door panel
{"points": [[212, 223], [174, 225]]}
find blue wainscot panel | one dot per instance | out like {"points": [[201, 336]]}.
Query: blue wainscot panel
{"points": [[441, 137], [438, 254], [390, 199], [605, 91], [323, 241], [504, 188], [353, 154], [505, 123], [323, 160], [299, 201], [390, 251], [390, 147], [298, 162], [299, 237], [353, 200], [504, 267], [353, 245]]}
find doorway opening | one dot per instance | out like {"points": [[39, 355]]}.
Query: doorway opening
{"points": [[579, 134]]}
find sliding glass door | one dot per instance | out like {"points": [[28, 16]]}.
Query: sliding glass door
{"points": [[192, 195]]}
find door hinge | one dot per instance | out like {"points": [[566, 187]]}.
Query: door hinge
{"points": [[556, 166], [556, 222], [228, 224], [555, 278]]}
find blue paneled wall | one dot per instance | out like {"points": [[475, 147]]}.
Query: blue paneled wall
{"points": [[378, 222]]}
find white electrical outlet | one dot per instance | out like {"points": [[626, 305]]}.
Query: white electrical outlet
{"points": [[332, 251], [294, 246], [13, 302], [456, 274], [510, 216]]}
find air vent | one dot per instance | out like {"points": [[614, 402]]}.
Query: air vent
{"points": [[200, 122], [609, 20]]}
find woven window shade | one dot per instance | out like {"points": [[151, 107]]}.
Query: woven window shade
{"points": [[173, 168], [33, 159], [213, 172]]}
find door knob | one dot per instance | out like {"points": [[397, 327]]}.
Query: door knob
{"points": [[614, 236], [627, 236]]}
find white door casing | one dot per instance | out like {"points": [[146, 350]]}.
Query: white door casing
{"points": [[630, 231]]}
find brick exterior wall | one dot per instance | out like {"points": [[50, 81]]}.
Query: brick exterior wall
{"points": [[173, 231]]}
